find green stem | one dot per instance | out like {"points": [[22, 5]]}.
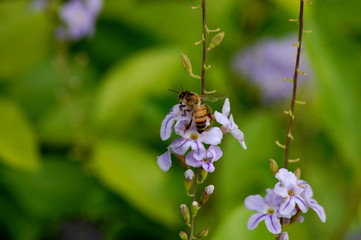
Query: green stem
{"points": [[204, 50], [194, 199]]}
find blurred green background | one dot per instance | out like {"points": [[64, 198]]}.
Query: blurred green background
{"points": [[79, 122]]}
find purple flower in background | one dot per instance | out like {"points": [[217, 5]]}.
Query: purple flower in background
{"points": [[212, 154], [39, 4], [267, 62], [228, 124], [284, 236], [78, 17]]}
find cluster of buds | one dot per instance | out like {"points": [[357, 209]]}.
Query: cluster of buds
{"points": [[189, 216], [284, 204]]}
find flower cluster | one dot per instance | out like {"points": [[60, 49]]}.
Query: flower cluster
{"points": [[191, 147], [287, 200], [77, 17]]}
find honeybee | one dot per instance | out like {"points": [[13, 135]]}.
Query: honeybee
{"points": [[199, 111]]}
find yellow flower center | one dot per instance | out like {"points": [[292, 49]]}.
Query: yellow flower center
{"points": [[194, 136]]}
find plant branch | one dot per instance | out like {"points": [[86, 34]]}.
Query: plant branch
{"points": [[295, 76], [204, 50], [194, 199]]}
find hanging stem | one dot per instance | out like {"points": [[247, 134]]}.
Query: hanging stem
{"points": [[194, 199], [204, 50], [295, 76]]}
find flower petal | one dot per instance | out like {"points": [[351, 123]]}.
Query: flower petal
{"points": [[208, 166], [318, 209], [164, 161], [281, 190], [181, 147], [226, 107], [167, 125], [284, 236], [255, 219], [286, 177], [256, 203], [216, 152], [238, 134], [287, 206], [301, 203], [212, 136], [191, 161], [198, 149], [273, 224], [221, 119]]}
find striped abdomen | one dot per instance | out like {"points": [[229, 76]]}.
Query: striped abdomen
{"points": [[200, 117]]}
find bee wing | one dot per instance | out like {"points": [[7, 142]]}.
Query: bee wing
{"points": [[213, 97]]}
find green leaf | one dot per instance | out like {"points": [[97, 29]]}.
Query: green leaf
{"points": [[23, 37], [18, 142], [128, 84], [132, 172]]}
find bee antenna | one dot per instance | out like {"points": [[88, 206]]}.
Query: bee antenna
{"points": [[181, 87], [173, 90]]}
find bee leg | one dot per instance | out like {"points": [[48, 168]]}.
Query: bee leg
{"points": [[189, 124]]}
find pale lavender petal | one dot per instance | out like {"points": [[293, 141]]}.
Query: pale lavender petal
{"points": [[238, 134], [212, 136], [164, 161], [273, 224], [300, 219], [272, 199], [281, 190], [255, 219], [286, 177], [167, 126], [180, 127], [94, 6], [301, 203], [283, 236], [287, 206], [198, 149], [221, 119], [232, 125], [182, 147], [318, 209], [226, 108], [216, 152], [256, 203], [191, 161], [208, 166]]}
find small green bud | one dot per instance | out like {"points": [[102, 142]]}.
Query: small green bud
{"points": [[188, 181], [183, 235], [186, 63], [202, 233], [195, 208], [216, 40], [298, 173], [273, 166], [203, 175], [208, 191], [185, 213]]}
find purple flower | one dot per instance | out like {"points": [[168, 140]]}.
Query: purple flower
{"points": [[39, 4], [228, 124], [212, 154], [79, 18], [288, 189], [267, 62], [175, 114], [267, 210], [312, 203]]}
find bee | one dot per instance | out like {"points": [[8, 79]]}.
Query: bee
{"points": [[200, 112]]}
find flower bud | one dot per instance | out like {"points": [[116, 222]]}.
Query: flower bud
{"points": [[188, 181], [283, 236], [203, 175], [208, 191], [195, 208], [216, 40], [202, 233], [185, 213], [186, 63], [189, 175], [273, 166], [298, 173], [183, 235]]}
